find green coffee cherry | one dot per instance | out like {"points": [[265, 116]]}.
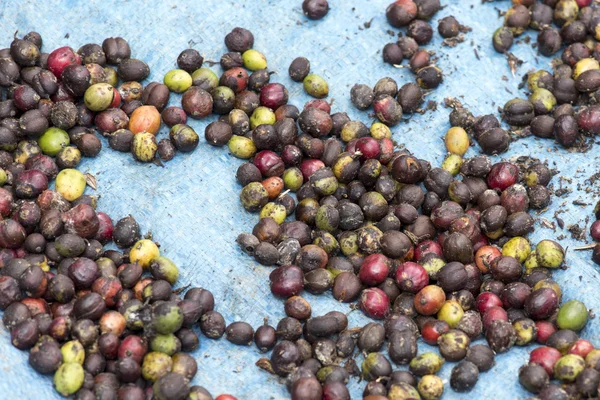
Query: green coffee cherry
{"points": [[324, 182], [73, 352], [183, 137], [254, 196], [536, 80], [99, 97], [241, 147], [402, 390], [549, 254], [111, 76], [68, 379], [525, 331], [380, 131], [585, 64], [143, 252], [431, 387], [327, 242], [3, 177], [275, 211], [144, 146], [531, 261], [163, 268], [293, 179], [592, 359], [167, 318], [68, 157], [327, 218], [167, 344], [457, 141], [352, 130], [156, 365], [316, 86], [543, 100], [254, 60], [205, 79], [262, 115], [53, 140], [70, 184], [451, 312], [426, 364], [568, 367], [572, 315], [433, 265], [349, 243], [177, 80], [518, 248], [452, 163]]}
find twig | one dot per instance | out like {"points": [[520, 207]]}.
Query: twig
{"points": [[586, 247]]}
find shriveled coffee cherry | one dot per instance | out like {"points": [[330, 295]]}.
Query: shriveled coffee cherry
{"points": [[482, 356], [315, 9], [541, 303], [401, 12], [392, 54], [239, 333]]}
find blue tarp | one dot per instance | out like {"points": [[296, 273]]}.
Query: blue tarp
{"points": [[191, 205]]}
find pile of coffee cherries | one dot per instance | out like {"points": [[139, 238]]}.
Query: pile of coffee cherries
{"points": [[105, 323], [389, 104], [414, 14], [440, 253], [572, 361], [58, 100], [562, 103], [448, 260]]}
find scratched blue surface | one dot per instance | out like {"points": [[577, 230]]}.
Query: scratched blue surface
{"points": [[191, 205]]}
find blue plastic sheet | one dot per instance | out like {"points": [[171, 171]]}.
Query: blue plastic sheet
{"points": [[191, 205]]}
